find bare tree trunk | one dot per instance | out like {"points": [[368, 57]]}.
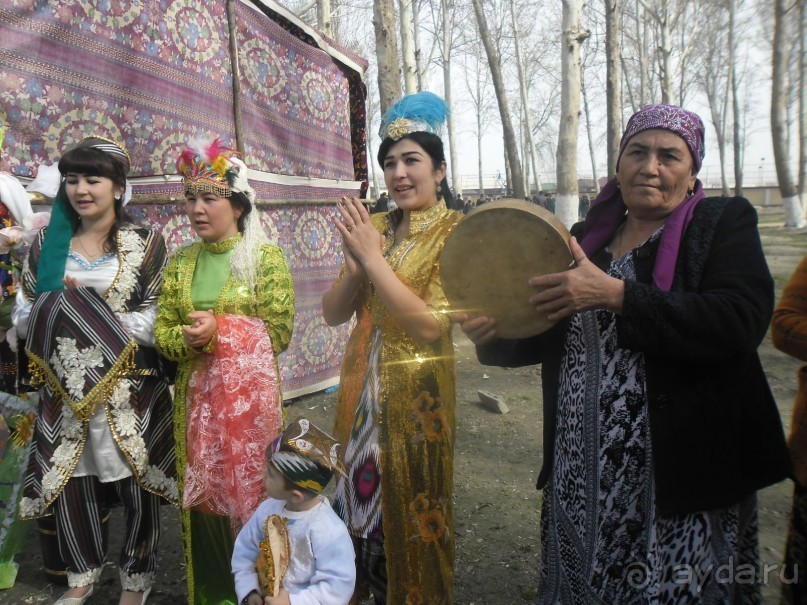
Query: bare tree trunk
{"points": [[416, 40], [715, 80], [802, 83], [613, 85], [644, 62], [794, 216], [522, 85], [735, 100], [448, 42], [662, 19], [324, 17], [525, 157], [510, 144], [386, 49], [371, 161], [572, 36], [633, 105], [590, 137], [508, 173], [410, 68], [479, 106]]}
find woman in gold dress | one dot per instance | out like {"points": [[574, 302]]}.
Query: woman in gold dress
{"points": [[395, 411], [226, 312]]}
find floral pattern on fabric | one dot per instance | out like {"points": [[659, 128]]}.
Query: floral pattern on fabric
{"points": [[234, 412], [137, 403]]}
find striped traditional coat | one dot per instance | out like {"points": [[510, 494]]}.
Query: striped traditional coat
{"points": [[83, 357]]}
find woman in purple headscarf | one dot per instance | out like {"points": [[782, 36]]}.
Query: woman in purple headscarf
{"points": [[659, 423]]}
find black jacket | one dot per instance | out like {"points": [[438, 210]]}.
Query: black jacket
{"points": [[715, 429]]}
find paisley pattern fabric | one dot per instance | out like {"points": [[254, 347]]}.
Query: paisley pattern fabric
{"points": [[415, 418], [602, 539]]}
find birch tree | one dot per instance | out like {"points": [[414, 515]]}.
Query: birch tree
{"points": [[715, 80], [613, 85], [448, 43], [410, 68], [477, 88], [737, 139], [522, 85], [802, 95], [386, 50], [572, 36], [783, 13], [494, 62]]}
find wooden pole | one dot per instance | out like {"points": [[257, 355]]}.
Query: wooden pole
{"points": [[239, 129]]}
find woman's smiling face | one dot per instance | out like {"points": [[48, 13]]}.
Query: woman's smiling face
{"points": [[92, 197], [411, 177]]}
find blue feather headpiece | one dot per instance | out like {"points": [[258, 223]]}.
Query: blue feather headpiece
{"points": [[418, 112]]}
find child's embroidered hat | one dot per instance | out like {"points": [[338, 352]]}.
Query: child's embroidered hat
{"points": [[306, 455]]}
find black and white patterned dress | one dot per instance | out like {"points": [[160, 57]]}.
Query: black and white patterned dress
{"points": [[602, 539]]}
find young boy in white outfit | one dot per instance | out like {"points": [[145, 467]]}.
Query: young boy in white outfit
{"points": [[295, 550]]}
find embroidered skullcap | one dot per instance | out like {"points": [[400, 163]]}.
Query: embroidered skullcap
{"points": [[107, 146], [418, 112], [686, 124], [56, 244], [306, 455], [209, 167]]}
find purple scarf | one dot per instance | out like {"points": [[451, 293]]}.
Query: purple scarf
{"points": [[607, 213]]}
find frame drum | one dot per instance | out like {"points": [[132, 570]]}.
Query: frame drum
{"points": [[492, 253]]}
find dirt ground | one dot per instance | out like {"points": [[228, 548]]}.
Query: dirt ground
{"points": [[497, 460]]}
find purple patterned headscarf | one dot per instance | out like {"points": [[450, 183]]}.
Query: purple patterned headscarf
{"points": [[608, 210], [685, 124]]}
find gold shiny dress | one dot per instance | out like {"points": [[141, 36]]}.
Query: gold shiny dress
{"points": [[395, 414], [198, 277]]}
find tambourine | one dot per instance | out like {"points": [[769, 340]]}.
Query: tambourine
{"points": [[491, 254]]}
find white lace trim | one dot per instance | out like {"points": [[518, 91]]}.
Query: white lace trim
{"points": [[123, 421], [71, 364], [77, 580], [136, 582], [132, 250], [124, 424], [62, 463]]}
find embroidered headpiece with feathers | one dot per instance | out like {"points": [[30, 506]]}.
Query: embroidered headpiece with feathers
{"points": [[419, 112], [209, 167]]}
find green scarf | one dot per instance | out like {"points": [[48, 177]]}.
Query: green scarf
{"points": [[53, 256]]}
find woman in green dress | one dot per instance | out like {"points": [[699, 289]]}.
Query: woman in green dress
{"points": [[226, 312]]}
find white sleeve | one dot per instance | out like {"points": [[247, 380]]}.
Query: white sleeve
{"points": [[21, 314], [140, 325], [245, 555], [335, 574]]}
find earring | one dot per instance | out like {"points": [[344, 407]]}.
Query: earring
{"points": [[439, 190], [690, 192]]}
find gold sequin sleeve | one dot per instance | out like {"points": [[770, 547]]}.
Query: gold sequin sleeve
{"points": [[275, 296], [435, 300], [170, 315]]}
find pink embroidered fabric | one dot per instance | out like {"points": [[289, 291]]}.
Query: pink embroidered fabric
{"points": [[234, 412]]}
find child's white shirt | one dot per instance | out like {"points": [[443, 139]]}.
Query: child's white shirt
{"points": [[322, 569]]}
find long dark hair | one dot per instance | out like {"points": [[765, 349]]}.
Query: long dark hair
{"points": [[433, 145], [240, 201], [94, 162]]}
